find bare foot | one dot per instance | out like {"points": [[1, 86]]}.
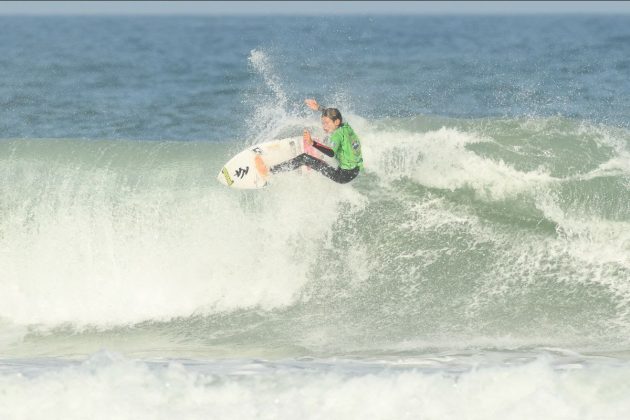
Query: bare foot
{"points": [[260, 166]]}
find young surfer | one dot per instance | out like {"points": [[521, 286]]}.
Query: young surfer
{"points": [[345, 146]]}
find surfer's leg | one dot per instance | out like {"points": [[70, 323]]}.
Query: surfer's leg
{"points": [[294, 163], [341, 176]]}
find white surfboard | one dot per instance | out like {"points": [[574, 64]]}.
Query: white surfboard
{"points": [[249, 169]]}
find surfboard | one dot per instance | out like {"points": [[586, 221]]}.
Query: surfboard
{"points": [[249, 169]]}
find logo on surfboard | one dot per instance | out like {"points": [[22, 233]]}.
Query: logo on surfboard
{"points": [[240, 172]]}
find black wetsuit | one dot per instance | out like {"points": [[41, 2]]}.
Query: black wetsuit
{"points": [[341, 176]]}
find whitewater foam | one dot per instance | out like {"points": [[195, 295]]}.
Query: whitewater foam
{"points": [[440, 159], [107, 386], [97, 247]]}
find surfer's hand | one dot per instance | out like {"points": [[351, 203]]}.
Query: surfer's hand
{"points": [[312, 103], [307, 137]]}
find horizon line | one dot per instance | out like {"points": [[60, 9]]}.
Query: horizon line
{"points": [[311, 8]]}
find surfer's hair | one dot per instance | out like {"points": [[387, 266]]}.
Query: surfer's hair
{"points": [[333, 114]]}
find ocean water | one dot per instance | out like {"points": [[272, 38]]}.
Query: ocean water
{"points": [[478, 269]]}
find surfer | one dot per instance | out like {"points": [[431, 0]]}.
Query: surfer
{"points": [[345, 146]]}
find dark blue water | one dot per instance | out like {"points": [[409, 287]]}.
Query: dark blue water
{"points": [[183, 78]]}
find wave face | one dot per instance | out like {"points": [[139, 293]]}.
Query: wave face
{"points": [[473, 232]]}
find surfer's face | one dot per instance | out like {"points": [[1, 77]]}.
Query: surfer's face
{"points": [[330, 125]]}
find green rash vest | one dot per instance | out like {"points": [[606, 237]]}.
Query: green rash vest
{"points": [[347, 147]]}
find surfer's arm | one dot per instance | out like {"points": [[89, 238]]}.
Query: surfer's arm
{"points": [[308, 140], [312, 103], [324, 149]]}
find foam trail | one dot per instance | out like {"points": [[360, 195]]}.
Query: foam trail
{"points": [[439, 159]]}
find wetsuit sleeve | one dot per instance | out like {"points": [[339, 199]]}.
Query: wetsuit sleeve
{"points": [[325, 150]]}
